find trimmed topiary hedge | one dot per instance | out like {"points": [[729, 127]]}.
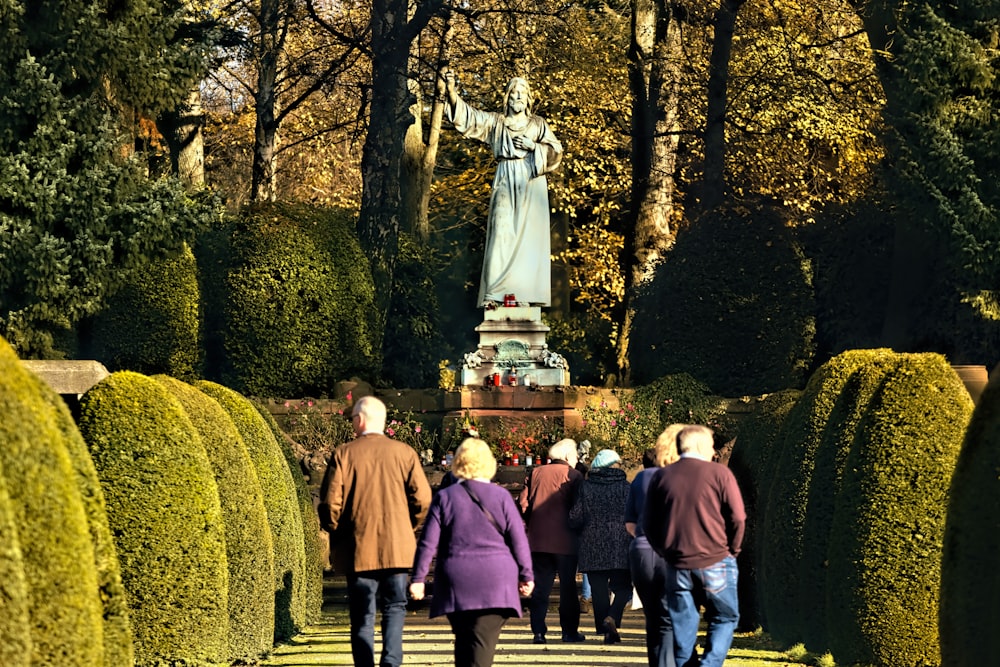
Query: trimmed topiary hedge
{"points": [[118, 648], [785, 513], [64, 609], [969, 613], [283, 514], [732, 305], [850, 403], [888, 525], [310, 522], [249, 548], [752, 462], [15, 628], [300, 302], [163, 508], [152, 324]]}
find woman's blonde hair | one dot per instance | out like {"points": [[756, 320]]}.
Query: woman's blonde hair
{"points": [[665, 449], [474, 460]]}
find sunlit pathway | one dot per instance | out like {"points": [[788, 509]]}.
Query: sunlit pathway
{"points": [[429, 642]]}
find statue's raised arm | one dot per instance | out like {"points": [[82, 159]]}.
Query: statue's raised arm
{"points": [[517, 230]]}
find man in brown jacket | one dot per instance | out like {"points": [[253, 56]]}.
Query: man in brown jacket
{"points": [[546, 500], [373, 498]]}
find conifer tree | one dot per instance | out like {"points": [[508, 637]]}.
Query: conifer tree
{"points": [[76, 204]]}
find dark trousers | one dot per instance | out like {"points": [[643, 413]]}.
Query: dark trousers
{"points": [[649, 575], [386, 591], [546, 566], [476, 635], [604, 584]]}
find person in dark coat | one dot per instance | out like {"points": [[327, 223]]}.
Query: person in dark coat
{"points": [[649, 570], [545, 503], [599, 513], [483, 559]]}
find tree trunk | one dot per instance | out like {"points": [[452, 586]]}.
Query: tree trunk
{"points": [[654, 78], [382, 155], [420, 157], [714, 185], [182, 131], [262, 180]]}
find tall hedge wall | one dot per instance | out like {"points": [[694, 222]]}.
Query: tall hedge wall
{"points": [[118, 648], [310, 522], [61, 581], [152, 324], [752, 462], [283, 514], [969, 613], [888, 524], [830, 457], [783, 546], [15, 628], [249, 547], [732, 305], [163, 508], [299, 308]]}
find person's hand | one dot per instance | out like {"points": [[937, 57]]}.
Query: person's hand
{"points": [[524, 143], [525, 588], [417, 590]]}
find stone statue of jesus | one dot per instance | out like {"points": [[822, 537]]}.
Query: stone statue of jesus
{"points": [[517, 229]]}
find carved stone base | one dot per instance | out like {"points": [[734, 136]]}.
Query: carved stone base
{"points": [[512, 342]]}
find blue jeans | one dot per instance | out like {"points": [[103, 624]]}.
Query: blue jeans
{"points": [[585, 591], [388, 589], [722, 611], [649, 575]]}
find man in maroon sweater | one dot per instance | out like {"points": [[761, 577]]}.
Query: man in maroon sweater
{"points": [[694, 518]]}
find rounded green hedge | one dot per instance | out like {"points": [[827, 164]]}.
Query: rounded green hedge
{"points": [[850, 403], [48, 512], [118, 648], [15, 629], [969, 613], [163, 508], [283, 514], [888, 524], [752, 463], [783, 545], [249, 548], [732, 305], [300, 303], [152, 323], [310, 521]]}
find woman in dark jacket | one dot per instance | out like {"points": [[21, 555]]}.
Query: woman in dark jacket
{"points": [[599, 512], [483, 559]]}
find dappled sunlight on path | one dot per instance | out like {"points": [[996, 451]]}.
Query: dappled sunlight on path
{"points": [[429, 642]]}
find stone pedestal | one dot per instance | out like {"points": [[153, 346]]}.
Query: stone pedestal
{"points": [[512, 342]]}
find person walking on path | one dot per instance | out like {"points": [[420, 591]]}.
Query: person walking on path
{"points": [[649, 570], [373, 498], [483, 558], [694, 517], [599, 514], [545, 501]]}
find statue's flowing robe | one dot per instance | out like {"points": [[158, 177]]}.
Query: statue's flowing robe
{"points": [[516, 260]]}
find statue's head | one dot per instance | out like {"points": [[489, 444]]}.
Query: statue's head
{"points": [[523, 95]]}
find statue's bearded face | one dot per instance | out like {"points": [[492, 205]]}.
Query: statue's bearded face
{"points": [[518, 97]]}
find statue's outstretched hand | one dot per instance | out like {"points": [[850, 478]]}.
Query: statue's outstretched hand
{"points": [[451, 86]]}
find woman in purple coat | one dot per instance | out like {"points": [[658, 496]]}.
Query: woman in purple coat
{"points": [[483, 559]]}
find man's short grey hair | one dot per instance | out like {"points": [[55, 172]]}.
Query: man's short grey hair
{"points": [[696, 439], [563, 450], [372, 411]]}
